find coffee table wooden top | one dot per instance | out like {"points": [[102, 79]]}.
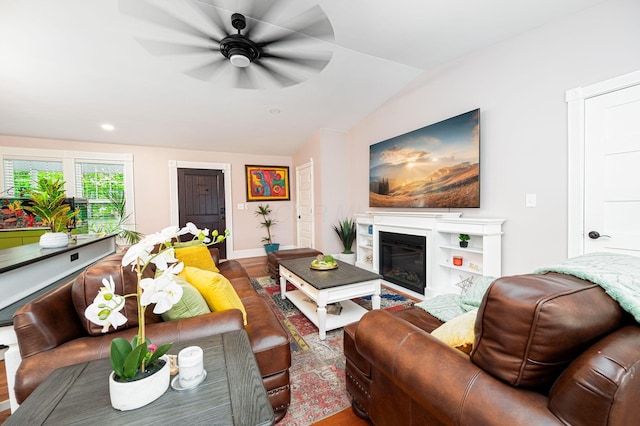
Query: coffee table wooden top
{"points": [[232, 393], [344, 274]]}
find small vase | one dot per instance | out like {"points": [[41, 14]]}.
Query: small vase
{"points": [[271, 247], [131, 395], [349, 258], [54, 240]]}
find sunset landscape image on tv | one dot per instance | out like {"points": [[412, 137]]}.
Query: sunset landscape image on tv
{"points": [[435, 166]]}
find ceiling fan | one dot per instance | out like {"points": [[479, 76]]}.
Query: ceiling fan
{"points": [[244, 44]]}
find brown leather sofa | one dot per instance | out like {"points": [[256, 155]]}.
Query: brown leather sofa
{"points": [[51, 334], [549, 349]]}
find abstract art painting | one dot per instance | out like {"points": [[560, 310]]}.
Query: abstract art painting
{"points": [[267, 183]]}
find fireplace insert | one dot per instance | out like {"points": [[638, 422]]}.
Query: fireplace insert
{"points": [[402, 260]]}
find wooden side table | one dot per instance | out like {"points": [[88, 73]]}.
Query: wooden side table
{"points": [[232, 393]]}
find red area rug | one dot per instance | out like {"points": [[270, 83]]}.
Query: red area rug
{"points": [[317, 366]]}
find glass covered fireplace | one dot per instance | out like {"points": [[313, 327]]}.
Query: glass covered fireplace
{"points": [[403, 260]]}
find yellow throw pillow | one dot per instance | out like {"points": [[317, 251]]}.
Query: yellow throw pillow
{"points": [[197, 256], [458, 332], [216, 290]]}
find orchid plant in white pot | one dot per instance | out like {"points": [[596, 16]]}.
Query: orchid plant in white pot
{"points": [[138, 359]]}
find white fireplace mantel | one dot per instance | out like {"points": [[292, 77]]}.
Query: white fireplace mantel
{"points": [[481, 258]]}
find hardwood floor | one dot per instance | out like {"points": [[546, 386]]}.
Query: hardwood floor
{"points": [[256, 267]]}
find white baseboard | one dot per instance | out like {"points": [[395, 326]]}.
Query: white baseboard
{"points": [[240, 254]]}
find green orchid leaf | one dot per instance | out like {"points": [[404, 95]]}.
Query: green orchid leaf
{"points": [[120, 350], [159, 352], [133, 361]]}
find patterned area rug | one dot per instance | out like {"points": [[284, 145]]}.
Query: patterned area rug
{"points": [[317, 370]]}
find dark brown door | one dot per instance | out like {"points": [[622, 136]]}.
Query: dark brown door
{"points": [[201, 200]]}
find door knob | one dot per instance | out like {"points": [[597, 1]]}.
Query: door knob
{"points": [[594, 235]]}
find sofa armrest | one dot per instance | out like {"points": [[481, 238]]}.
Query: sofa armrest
{"points": [[47, 321], [442, 379]]}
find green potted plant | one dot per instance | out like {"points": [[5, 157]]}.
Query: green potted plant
{"points": [[464, 240], [48, 204], [124, 235], [346, 230], [264, 213]]}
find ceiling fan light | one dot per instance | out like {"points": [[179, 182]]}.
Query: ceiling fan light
{"points": [[239, 60]]}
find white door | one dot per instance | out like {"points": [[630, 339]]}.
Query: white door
{"points": [[611, 172], [304, 187]]}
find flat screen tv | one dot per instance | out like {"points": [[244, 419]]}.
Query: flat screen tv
{"points": [[435, 166]]}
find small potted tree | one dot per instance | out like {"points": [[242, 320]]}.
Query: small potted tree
{"points": [[464, 240], [264, 212], [346, 231], [124, 236], [48, 204]]}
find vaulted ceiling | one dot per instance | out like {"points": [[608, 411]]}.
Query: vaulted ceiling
{"points": [[69, 66]]}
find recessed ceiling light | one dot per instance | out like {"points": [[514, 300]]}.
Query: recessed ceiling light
{"points": [[274, 110], [107, 127]]}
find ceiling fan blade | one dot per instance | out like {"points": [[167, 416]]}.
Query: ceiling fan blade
{"points": [[311, 23], [257, 15], [318, 63], [244, 79], [162, 48], [207, 71], [147, 12], [279, 76], [210, 11]]}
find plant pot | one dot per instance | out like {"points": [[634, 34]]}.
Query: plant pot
{"points": [[271, 247], [54, 240], [464, 243], [349, 258], [131, 395]]}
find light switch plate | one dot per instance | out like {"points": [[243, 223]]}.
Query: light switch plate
{"points": [[530, 200]]}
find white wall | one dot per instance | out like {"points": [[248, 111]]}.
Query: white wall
{"points": [[330, 152], [520, 86], [151, 180]]}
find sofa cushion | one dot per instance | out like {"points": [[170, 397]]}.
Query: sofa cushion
{"points": [[458, 333], [191, 303], [197, 256], [87, 285], [530, 327], [215, 289]]}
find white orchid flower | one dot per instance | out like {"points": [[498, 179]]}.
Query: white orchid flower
{"points": [[106, 307], [162, 259], [200, 234], [163, 291], [138, 254], [169, 233], [101, 315]]}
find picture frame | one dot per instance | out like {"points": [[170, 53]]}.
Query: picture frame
{"points": [[267, 183]]}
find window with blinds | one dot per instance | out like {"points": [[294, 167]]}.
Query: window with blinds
{"points": [[100, 178], [20, 176], [100, 183]]}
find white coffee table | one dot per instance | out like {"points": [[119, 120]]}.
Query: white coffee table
{"points": [[316, 289]]}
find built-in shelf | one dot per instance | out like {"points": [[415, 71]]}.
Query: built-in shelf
{"points": [[482, 257], [364, 242]]}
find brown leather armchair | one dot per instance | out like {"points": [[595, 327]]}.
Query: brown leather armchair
{"points": [[51, 334], [549, 349]]}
